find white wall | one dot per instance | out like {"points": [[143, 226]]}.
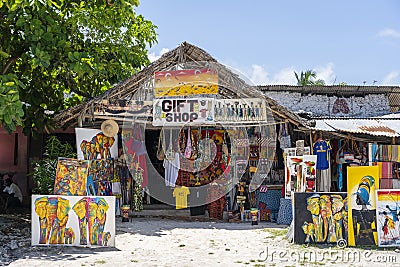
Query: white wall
{"points": [[323, 105]]}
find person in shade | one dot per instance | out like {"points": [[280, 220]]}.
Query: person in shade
{"points": [[13, 193]]}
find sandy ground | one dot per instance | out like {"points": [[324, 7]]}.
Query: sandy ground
{"points": [[163, 242]]}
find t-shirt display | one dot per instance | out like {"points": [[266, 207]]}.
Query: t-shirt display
{"points": [[322, 149], [180, 194]]}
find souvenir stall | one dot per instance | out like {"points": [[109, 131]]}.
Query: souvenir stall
{"points": [[360, 205], [221, 149], [194, 135]]}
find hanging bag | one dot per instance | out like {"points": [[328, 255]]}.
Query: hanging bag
{"points": [[170, 154], [225, 146], [161, 146], [137, 144], [188, 149]]}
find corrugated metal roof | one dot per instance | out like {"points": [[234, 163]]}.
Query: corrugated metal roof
{"points": [[377, 127], [393, 124]]}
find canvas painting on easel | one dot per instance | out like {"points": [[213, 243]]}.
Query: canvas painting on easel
{"points": [[362, 182], [71, 177], [94, 144], [300, 175], [73, 220], [387, 217], [320, 217]]}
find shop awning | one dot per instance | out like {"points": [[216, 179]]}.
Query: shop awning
{"points": [[376, 126]]}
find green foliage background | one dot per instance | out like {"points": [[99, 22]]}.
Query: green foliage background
{"points": [[44, 170], [56, 53]]}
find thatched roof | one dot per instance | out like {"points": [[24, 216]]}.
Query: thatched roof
{"points": [[188, 55]]}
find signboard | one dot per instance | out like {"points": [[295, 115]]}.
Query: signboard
{"points": [[180, 111], [240, 110], [73, 220], [186, 82], [124, 108]]}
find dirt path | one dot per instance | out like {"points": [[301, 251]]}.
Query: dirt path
{"points": [[163, 242]]}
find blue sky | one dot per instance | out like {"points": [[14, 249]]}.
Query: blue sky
{"points": [[353, 41]]}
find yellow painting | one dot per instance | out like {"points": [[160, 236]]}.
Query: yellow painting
{"points": [[186, 82], [71, 177], [362, 182]]}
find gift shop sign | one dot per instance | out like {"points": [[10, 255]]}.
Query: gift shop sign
{"points": [[179, 111]]}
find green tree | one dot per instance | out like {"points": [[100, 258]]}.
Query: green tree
{"points": [[44, 170], [56, 53], [308, 77]]}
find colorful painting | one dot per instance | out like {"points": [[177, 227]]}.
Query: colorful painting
{"points": [[186, 82], [179, 111], [387, 214], [362, 181], [300, 174], [100, 175], [320, 218], [93, 144], [73, 220], [71, 177], [240, 110]]}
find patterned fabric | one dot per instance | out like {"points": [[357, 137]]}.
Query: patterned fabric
{"points": [[285, 215], [385, 184], [271, 198], [137, 201]]}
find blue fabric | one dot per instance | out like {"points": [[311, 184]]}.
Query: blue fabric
{"points": [[374, 152], [285, 215], [321, 149], [271, 198], [340, 176]]}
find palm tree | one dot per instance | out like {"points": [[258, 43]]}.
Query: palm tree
{"points": [[307, 78]]}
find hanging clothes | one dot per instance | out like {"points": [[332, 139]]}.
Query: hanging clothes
{"points": [[216, 198], [284, 140], [137, 201], [395, 154], [180, 194], [171, 170], [135, 146], [324, 180], [322, 148], [143, 164]]}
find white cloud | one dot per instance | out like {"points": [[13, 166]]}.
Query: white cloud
{"points": [[285, 76], [153, 57], [259, 76], [392, 78], [326, 73], [389, 33]]}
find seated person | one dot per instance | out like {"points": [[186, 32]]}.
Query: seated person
{"points": [[13, 193], [1, 183]]}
